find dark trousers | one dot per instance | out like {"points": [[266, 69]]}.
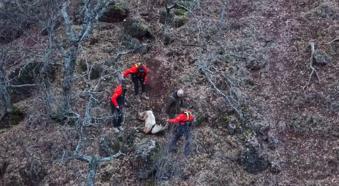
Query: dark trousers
{"points": [[136, 81], [117, 116], [181, 130]]}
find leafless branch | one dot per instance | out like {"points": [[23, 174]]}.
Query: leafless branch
{"points": [[313, 70], [334, 40]]}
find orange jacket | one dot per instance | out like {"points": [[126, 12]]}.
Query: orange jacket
{"points": [[134, 70], [182, 118], [116, 94]]}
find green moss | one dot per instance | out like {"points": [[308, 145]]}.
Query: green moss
{"points": [[180, 21], [121, 7], [180, 12]]}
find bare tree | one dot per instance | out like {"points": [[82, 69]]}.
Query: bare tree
{"points": [[70, 50], [87, 119]]}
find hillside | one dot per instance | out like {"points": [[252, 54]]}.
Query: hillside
{"points": [[260, 76]]}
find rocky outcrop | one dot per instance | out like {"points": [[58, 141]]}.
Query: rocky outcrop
{"points": [[137, 28], [321, 58], [33, 173], [252, 161], [115, 12], [146, 152]]}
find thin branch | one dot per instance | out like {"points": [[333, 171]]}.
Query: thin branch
{"points": [[23, 85], [68, 24], [334, 40], [313, 70], [227, 98]]}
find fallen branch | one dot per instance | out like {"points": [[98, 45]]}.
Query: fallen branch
{"points": [[227, 98], [334, 40], [23, 85], [314, 71]]}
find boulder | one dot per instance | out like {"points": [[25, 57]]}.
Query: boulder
{"points": [[137, 29], [7, 35], [33, 173], [146, 148], [115, 12], [321, 58], [334, 107], [255, 63], [176, 19], [252, 161], [146, 153], [11, 118], [108, 145], [275, 167]]}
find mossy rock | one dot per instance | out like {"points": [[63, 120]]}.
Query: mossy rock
{"points": [[180, 21], [180, 12], [115, 12], [252, 162], [136, 28], [65, 118], [12, 118]]}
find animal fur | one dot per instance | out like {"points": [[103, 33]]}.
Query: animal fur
{"points": [[149, 119]]}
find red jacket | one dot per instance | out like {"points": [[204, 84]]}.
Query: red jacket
{"points": [[182, 118], [116, 94], [134, 70]]}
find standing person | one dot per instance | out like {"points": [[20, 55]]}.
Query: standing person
{"points": [[139, 74], [175, 102], [117, 103], [184, 120]]}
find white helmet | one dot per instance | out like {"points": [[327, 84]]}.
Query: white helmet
{"points": [[180, 93]]}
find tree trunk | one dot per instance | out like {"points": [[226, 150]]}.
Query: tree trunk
{"points": [[3, 90], [93, 165], [69, 67]]}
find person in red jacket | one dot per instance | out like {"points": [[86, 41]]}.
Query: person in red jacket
{"points": [[117, 103], [184, 120], [139, 74]]}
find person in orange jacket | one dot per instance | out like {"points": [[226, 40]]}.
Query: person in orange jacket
{"points": [[117, 103], [184, 120], [139, 74]]}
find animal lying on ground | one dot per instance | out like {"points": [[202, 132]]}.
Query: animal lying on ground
{"points": [[150, 124]]}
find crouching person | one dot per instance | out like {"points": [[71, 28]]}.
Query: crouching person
{"points": [[151, 127], [117, 103], [184, 121]]}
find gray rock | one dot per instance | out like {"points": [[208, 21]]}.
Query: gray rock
{"points": [[321, 58], [136, 28], [146, 152], [254, 63], [108, 145], [334, 106], [33, 173], [115, 12], [146, 148], [252, 162], [275, 167]]}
